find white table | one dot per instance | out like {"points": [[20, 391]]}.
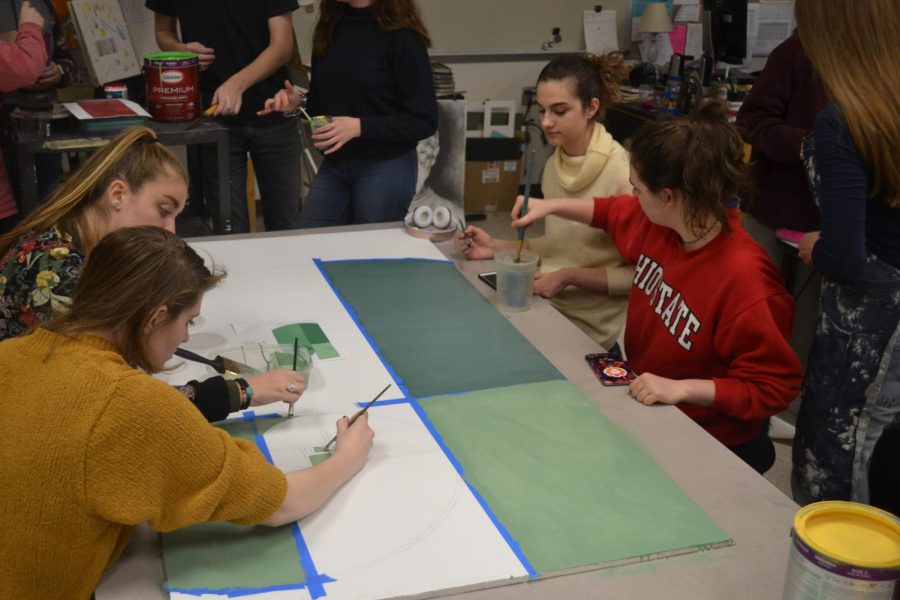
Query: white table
{"points": [[754, 513]]}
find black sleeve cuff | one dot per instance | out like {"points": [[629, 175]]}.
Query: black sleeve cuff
{"points": [[213, 397]]}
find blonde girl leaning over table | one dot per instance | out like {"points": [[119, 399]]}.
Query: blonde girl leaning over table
{"points": [[709, 320], [581, 272], [133, 180], [97, 446]]}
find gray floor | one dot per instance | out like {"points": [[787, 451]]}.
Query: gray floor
{"points": [[779, 475]]}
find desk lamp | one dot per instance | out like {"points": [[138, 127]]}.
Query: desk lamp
{"points": [[654, 21]]}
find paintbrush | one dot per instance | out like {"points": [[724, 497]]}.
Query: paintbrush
{"points": [[294, 368], [220, 363], [358, 414], [529, 164], [210, 111]]}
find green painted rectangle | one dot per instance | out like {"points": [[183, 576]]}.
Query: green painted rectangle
{"points": [[434, 329], [571, 487], [224, 556], [306, 334]]}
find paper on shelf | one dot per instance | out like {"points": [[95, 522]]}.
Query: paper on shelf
{"points": [[114, 108], [600, 34]]}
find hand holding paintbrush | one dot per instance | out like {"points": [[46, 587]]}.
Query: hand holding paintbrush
{"points": [[294, 368], [529, 167], [358, 414]]}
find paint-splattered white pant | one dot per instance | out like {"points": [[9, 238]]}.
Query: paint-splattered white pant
{"points": [[851, 391]]}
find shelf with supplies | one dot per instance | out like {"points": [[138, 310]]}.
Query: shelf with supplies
{"points": [[623, 120], [202, 131]]}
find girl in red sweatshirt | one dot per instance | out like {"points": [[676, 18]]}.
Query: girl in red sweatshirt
{"points": [[709, 320]]}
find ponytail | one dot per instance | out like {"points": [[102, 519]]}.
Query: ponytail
{"points": [[701, 156], [135, 156], [595, 76]]}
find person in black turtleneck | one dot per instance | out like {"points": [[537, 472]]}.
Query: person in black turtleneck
{"points": [[370, 73]]}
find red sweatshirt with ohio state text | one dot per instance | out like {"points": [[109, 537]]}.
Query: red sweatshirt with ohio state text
{"points": [[720, 313]]}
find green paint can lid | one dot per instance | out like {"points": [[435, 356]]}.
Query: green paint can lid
{"points": [[171, 59]]}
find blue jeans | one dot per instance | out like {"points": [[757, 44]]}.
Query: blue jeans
{"points": [[274, 146], [360, 191]]}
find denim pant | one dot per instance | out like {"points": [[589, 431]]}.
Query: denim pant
{"points": [[851, 391], [274, 146], [360, 191]]}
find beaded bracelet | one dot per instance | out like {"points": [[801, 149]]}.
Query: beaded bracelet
{"points": [[246, 392]]}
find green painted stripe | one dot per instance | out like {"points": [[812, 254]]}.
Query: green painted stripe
{"points": [[571, 487], [434, 329]]}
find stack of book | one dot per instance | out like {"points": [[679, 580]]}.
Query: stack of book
{"points": [[443, 79], [102, 116]]}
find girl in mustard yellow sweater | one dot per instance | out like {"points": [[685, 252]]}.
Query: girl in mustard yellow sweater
{"points": [[92, 445], [133, 180]]}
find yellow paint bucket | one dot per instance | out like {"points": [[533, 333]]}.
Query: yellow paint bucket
{"points": [[843, 551]]}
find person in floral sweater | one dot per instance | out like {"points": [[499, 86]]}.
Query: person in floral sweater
{"points": [[37, 278], [134, 180]]}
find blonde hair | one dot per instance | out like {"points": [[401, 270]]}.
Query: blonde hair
{"points": [[135, 156], [132, 272], [852, 44]]}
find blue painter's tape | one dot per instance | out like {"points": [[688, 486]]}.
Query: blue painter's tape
{"points": [[399, 382], [410, 258], [512, 543], [314, 580], [385, 402], [260, 441], [235, 592]]}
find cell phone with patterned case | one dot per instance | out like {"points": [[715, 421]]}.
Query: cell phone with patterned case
{"points": [[610, 369]]}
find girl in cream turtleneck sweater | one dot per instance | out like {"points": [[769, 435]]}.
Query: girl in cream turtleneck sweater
{"points": [[582, 274]]}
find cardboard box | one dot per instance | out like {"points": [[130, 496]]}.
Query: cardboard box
{"points": [[492, 175]]}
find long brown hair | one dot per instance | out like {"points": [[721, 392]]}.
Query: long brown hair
{"points": [[129, 274], [595, 76], [853, 45], [134, 156], [702, 156], [390, 14]]}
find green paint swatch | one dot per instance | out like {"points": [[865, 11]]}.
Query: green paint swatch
{"points": [[308, 334], [224, 556], [315, 459], [434, 329], [571, 487]]}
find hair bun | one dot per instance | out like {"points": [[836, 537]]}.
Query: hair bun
{"points": [[711, 113]]}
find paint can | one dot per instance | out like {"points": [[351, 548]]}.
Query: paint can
{"points": [[173, 85], [843, 551], [116, 90]]}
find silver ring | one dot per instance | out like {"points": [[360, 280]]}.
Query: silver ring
{"points": [[292, 388]]}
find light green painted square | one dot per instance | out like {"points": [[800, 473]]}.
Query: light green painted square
{"points": [[571, 487], [307, 334]]}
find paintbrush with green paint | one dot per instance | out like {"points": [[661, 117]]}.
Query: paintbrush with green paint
{"points": [[296, 348], [529, 165]]}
